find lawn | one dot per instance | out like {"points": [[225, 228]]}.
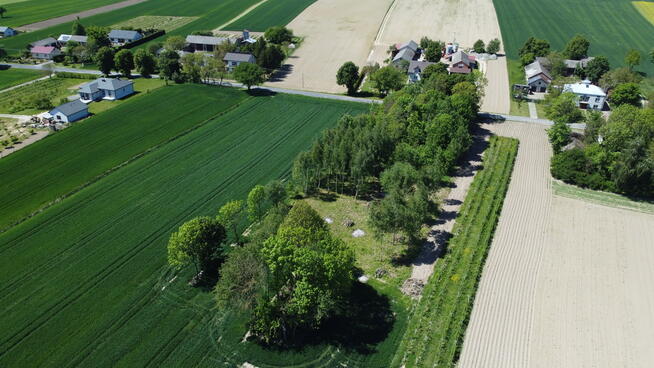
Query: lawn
{"points": [[437, 325], [210, 15], [23, 100], [270, 13], [31, 11], [11, 77], [142, 86], [90, 272], [612, 26], [70, 159]]}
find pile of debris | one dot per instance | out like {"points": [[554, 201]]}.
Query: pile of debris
{"points": [[413, 288]]}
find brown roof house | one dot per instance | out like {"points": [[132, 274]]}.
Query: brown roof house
{"points": [[461, 63]]}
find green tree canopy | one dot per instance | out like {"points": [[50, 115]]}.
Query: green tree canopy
{"points": [[493, 46], [479, 46], [434, 53], [77, 28], [596, 68], [192, 67], [438, 68], [559, 135], [104, 58], [256, 201], [304, 216], [271, 58], [198, 242], [632, 58], [577, 47], [387, 79], [145, 62], [168, 65], [124, 62], [348, 76], [626, 93], [3, 11], [230, 215], [536, 47], [278, 35], [249, 74], [98, 37], [175, 43], [242, 279], [563, 109]]}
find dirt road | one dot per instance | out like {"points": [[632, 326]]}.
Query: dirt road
{"points": [[71, 17], [334, 31], [566, 283]]}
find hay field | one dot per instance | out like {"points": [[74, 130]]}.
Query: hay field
{"points": [[567, 283], [167, 23], [334, 31], [646, 9]]}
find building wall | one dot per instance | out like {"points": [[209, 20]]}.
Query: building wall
{"points": [[125, 91], [459, 68]]}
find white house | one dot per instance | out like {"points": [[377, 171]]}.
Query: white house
{"points": [[589, 96], [232, 60], [204, 43], [416, 68], [44, 52], [538, 77], [120, 37], [106, 88], [65, 38], [70, 112], [7, 32]]}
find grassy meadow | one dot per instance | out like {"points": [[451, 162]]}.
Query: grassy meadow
{"points": [[271, 13], [437, 324], [612, 26], [12, 77], [90, 271]]}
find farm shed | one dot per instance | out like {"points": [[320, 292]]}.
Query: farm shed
{"points": [[461, 63], [44, 52], [70, 111], [232, 60], [406, 52], [416, 68], [44, 42], [572, 65], [120, 37], [204, 43], [106, 88], [7, 32], [65, 38], [538, 77]]}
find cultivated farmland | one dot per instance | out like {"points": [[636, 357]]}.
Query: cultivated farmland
{"points": [[25, 99], [567, 283], [271, 13], [437, 326], [613, 27], [90, 271], [68, 160], [31, 11], [12, 77]]}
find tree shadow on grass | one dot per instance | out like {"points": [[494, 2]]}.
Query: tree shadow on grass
{"points": [[261, 92]]}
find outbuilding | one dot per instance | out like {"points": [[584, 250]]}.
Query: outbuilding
{"points": [[45, 42], [70, 112], [120, 37], [416, 68], [538, 77], [232, 60], [7, 32], [204, 43], [65, 38]]}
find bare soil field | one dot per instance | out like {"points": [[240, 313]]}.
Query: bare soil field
{"points": [[567, 283], [445, 20], [334, 31], [497, 97]]}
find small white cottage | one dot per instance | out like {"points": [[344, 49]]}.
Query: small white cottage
{"points": [[70, 112]]}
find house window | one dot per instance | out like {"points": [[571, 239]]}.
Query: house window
{"points": [[597, 99], [58, 117]]}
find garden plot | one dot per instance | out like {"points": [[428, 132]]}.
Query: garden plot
{"points": [[167, 23], [334, 32], [567, 283]]}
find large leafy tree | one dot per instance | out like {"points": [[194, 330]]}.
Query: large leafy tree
{"points": [[479, 46], [230, 215], [77, 28], [198, 242], [348, 76], [98, 37], [627, 93], [559, 135], [124, 61], [249, 75], [632, 58], [175, 43], [145, 62], [256, 202], [242, 278], [564, 109], [278, 35], [387, 79], [493, 46], [596, 68], [168, 65], [104, 58], [192, 67], [535, 47], [310, 275], [577, 47]]}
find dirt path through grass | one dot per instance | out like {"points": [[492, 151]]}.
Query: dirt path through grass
{"points": [[71, 17]]}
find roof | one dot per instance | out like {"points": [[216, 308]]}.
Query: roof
{"points": [[460, 56], [411, 44], [70, 108], [232, 56], [76, 38], [572, 64], [421, 65], [42, 49], [112, 84], [44, 42], [90, 87], [405, 54], [205, 40], [536, 68], [123, 34], [584, 88], [3, 29]]}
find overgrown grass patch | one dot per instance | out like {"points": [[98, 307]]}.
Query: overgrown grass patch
{"points": [[167, 23], [602, 198], [12, 77], [38, 96], [437, 324]]}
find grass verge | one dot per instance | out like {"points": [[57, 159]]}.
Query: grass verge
{"points": [[602, 198], [437, 324]]}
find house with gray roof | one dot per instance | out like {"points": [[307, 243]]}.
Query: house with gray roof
{"points": [[120, 37], [461, 63], [106, 89], [7, 32], [572, 65], [416, 68], [204, 43], [45, 42], [70, 112], [232, 60], [65, 38], [406, 52], [538, 76]]}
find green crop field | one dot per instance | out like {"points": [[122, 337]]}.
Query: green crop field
{"points": [[437, 325], [210, 13], [90, 271], [612, 26], [270, 13], [43, 172], [11, 77], [31, 11]]}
